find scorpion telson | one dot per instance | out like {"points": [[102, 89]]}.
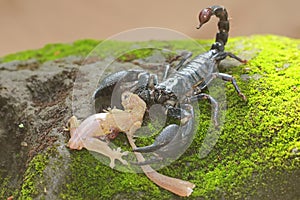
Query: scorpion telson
{"points": [[177, 90]]}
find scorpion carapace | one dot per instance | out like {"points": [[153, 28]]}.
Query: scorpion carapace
{"points": [[177, 90]]}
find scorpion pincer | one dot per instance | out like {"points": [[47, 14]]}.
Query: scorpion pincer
{"points": [[179, 89]]}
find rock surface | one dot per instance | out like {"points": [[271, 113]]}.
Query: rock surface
{"points": [[35, 104], [256, 157]]}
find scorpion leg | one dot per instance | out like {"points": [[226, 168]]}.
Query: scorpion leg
{"points": [[142, 84], [227, 77], [214, 103], [154, 79], [166, 72], [185, 55], [223, 55]]}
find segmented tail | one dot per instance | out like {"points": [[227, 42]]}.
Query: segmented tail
{"points": [[223, 24]]}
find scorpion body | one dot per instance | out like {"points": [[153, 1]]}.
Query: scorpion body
{"points": [[180, 88]]}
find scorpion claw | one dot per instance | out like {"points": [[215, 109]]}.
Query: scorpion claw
{"points": [[164, 138], [149, 148]]}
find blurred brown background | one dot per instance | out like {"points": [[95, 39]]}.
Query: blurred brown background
{"points": [[31, 24]]}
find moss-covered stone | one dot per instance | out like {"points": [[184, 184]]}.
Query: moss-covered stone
{"points": [[257, 153], [33, 177], [54, 51]]}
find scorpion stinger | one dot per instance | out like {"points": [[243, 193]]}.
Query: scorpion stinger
{"points": [[223, 24]]}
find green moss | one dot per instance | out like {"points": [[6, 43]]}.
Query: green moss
{"points": [[131, 55], [91, 179], [259, 136], [6, 187], [33, 178], [54, 51]]}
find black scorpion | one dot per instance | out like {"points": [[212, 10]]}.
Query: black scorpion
{"points": [[179, 89]]}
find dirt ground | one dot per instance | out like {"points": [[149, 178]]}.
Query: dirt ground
{"points": [[32, 24]]}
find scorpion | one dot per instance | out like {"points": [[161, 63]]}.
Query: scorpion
{"points": [[139, 90], [178, 90]]}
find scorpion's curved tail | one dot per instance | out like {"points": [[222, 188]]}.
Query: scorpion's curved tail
{"points": [[223, 24]]}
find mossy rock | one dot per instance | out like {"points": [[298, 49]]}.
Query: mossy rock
{"points": [[257, 155]]}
